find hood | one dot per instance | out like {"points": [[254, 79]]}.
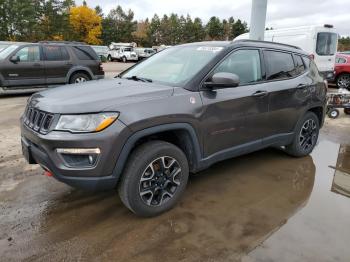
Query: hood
{"points": [[97, 96]]}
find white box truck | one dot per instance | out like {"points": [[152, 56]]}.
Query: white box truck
{"points": [[319, 41]]}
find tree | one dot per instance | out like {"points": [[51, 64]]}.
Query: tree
{"points": [[239, 28], [86, 24], [154, 31], [141, 34], [344, 44], [214, 29], [118, 26]]}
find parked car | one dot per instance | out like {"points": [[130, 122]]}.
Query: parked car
{"points": [[345, 52], [44, 64], [179, 111], [143, 53], [101, 51], [342, 71], [122, 53], [320, 42]]}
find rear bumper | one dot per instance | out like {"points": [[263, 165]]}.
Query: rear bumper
{"points": [[328, 75], [43, 151]]}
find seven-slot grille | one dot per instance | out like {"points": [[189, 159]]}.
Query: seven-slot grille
{"points": [[37, 120]]}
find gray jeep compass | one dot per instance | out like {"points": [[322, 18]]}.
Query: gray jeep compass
{"points": [[176, 113]]}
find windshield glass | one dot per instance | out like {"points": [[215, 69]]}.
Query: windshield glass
{"points": [[7, 50], [3, 46], [174, 66], [326, 43]]}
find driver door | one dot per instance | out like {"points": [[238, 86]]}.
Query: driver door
{"points": [[236, 118], [28, 71]]}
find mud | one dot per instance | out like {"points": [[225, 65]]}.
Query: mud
{"points": [[264, 206]]}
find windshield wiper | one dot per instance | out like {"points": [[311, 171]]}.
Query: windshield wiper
{"points": [[142, 79]]}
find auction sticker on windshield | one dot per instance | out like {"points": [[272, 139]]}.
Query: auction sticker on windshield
{"points": [[210, 48]]}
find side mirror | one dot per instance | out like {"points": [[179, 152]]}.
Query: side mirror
{"points": [[223, 80], [15, 59]]}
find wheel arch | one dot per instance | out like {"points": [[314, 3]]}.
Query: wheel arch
{"points": [[182, 135], [77, 70], [319, 112]]}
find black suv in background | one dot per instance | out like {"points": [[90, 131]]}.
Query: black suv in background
{"points": [[44, 64], [179, 111]]}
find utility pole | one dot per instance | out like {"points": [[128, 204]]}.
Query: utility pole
{"points": [[258, 19]]}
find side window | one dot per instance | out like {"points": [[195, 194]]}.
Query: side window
{"points": [[340, 60], [279, 65], [29, 54], [300, 67], [85, 53], [55, 53], [245, 63]]}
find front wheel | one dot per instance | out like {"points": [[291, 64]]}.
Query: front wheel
{"points": [[124, 59], [154, 179], [347, 111], [305, 137]]}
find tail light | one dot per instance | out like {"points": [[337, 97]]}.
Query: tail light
{"points": [[312, 56], [100, 67]]}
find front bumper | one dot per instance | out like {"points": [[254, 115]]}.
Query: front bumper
{"points": [[41, 149]]}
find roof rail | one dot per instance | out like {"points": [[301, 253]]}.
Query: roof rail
{"points": [[63, 42], [268, 42]]}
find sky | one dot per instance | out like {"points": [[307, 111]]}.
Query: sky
{"points": [[280, 13]]}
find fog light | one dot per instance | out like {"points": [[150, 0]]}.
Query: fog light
{"points": [[79, 157]]}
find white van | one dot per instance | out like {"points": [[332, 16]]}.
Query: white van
{"points": [[319, 41]]}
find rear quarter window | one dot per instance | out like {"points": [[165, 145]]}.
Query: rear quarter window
{"points": [[279, 65], [85, 53]]}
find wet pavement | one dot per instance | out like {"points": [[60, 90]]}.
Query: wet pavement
{"points": [[264, 206]]}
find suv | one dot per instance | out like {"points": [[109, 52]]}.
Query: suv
{"points": [[122, 53], [175, 113], [43, 64]]}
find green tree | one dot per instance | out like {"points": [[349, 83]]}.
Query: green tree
{"points": [[214, 29], [118, 26], [154, 30]]}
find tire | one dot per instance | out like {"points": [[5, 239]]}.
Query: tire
{"points": [[333, 113], [124, 59], [347, 111], [109, 58], [343, 81], [153, 156], [306, 135], [79, 78]]}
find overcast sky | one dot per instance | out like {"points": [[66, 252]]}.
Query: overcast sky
{"points": [[280, 13]]}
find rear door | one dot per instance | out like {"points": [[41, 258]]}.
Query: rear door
{"points": [[289, 91], [326, 48], [27, 72], [235, 117], [57, 63]]}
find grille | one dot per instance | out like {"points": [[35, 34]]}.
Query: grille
{"points": [[37, 120]]}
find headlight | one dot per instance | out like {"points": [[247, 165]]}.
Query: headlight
{"points": [[86, 123]]}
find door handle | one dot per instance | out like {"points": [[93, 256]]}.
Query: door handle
{"points": [[260, 93], [302, 86]]}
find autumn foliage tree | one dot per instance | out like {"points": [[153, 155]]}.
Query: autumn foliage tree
{"points": [[86, 24]]}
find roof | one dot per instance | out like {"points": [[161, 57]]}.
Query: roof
{"points": [[250, 43]]}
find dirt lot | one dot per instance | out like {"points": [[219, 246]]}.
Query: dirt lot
{"points": [[264, 206]]}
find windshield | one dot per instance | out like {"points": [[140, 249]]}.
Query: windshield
{"points": [[174, 66], [7, 50], [326, 44]]}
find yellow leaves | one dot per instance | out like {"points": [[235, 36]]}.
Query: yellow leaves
{"points": [[86, 24]]}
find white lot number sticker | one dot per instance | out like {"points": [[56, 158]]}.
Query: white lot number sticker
{"points": [[210, 48]]}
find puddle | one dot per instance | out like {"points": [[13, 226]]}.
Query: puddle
{"points": [[265, 206]]}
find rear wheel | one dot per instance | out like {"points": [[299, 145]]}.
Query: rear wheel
{"points": [[343, 81], [109, 58], [305, 137], [79, 78], [333, 113], [154, 179]]}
